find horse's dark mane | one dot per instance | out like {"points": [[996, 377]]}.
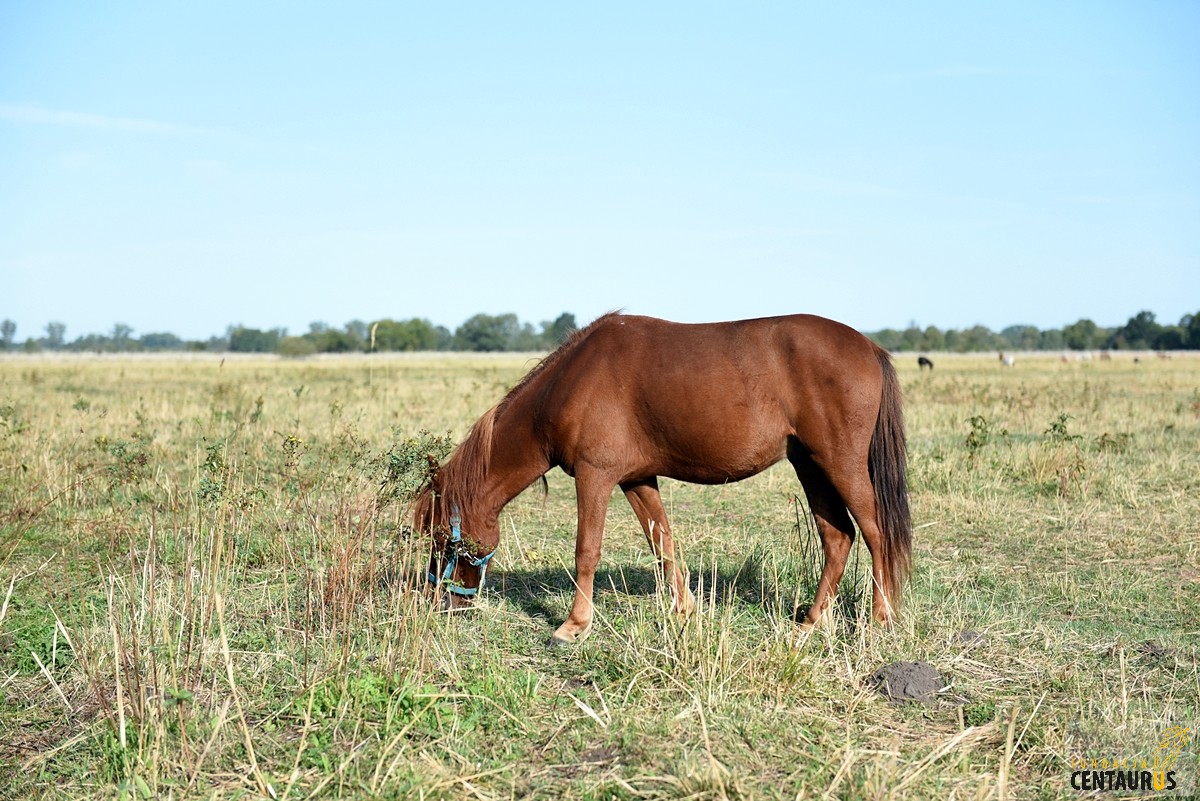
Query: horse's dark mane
{"points": [[468, 465]]}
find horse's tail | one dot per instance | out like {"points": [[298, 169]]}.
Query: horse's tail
{"points": [[888, 462]]}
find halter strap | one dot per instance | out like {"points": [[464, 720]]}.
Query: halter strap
{"points": [[453, 552]]}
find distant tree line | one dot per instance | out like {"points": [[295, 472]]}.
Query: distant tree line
{"points": [[481, 333], [504, 332], [1141, 332]]}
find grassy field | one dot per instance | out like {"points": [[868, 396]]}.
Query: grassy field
{"points": [[207, 592]]}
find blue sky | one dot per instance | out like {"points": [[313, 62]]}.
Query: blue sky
{"points": [[186, 166]]}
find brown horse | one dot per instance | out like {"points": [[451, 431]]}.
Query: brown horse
{"points": [[628, 399]]}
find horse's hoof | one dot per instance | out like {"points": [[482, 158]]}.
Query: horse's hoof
{"points": [[686, 607], [554, 643]]}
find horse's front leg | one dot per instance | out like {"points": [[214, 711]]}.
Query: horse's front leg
{"points": [[591, 496]]}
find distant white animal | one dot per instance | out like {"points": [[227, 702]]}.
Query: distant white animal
{"points": [[1007, 361]]}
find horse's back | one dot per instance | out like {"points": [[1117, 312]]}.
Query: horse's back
{"points": [[708, 402], [799, 335]]}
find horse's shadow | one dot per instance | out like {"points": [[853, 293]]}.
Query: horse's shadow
{"points": [[749, 583]]}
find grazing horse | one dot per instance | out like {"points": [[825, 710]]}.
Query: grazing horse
{"points": [[923, 362], [628, 399]]}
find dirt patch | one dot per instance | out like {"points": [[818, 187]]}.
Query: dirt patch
{"points": [[1155, 651], [594, 758], [907, 681], [969, 637], [599, 755]]}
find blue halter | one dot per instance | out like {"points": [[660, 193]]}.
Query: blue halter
{"points": [[454, 550]]}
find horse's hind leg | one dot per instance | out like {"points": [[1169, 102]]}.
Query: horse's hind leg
{"points": [[833, 524], [647, 504], [854, 485]]}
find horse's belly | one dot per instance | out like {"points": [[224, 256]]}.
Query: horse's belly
{"points": [[717, 459]]}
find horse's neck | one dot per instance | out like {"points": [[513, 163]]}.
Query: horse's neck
{"points": [[515, 461]]}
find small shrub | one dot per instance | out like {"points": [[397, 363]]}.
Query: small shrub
{"points": [[410, 464], [979, 713], [212, 475], [980, 434], [129, 464], [1058, 432]]}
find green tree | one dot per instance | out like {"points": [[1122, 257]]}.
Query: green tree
{"points": [[1170, 337], [120, 336], [407, 335], [1140, 333], [555, 333], [252, 340], [1021, 337], [933, 339], [526, 339], [1190, 323], [1081, 335], [92, 342], [55, 335], [1051, 339], [888, 339], [358, 328], [8, 330], [163, 341], [333, 341], [485, 332], [330, 340], [979, 338], [296, 347]]}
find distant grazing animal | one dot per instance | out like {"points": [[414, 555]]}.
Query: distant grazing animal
{"points": [[1007, 361], [923, 362], [628, 399]]}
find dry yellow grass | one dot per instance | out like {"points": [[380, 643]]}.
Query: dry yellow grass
{"points": [[205, 596]]}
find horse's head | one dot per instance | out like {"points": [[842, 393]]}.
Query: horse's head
{"points": [[457, 560]]}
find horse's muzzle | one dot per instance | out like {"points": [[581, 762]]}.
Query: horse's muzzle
{"points": [[453, 602]]}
